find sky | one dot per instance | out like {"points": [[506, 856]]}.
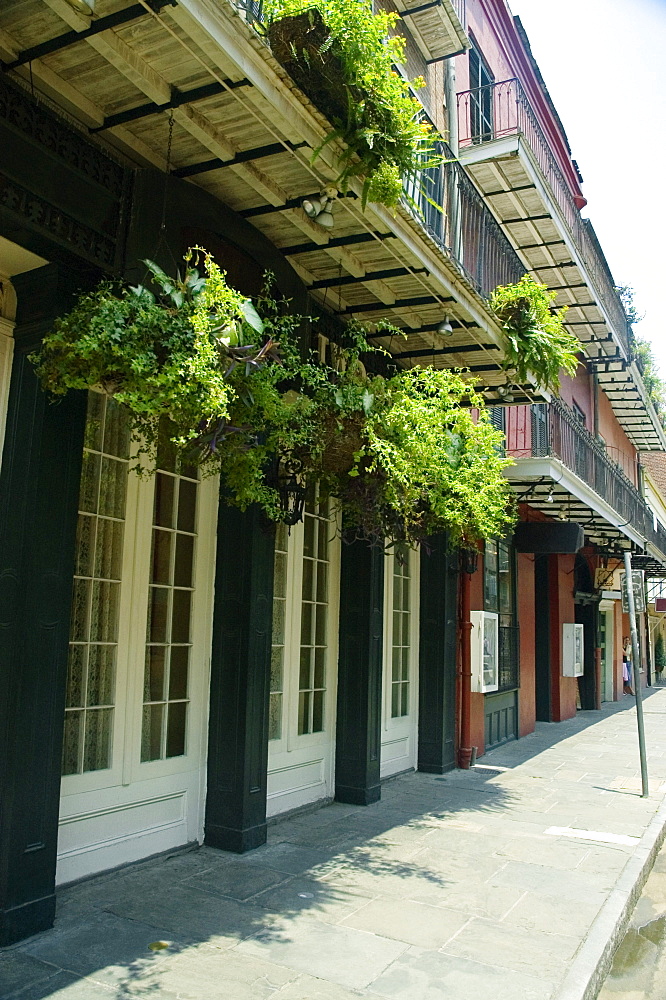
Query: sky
{"points": [[604, 63]]}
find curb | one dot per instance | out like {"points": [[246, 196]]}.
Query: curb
{"points": [[595, 957]]}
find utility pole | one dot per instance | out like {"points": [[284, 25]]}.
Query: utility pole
{"points": [[636, 673]]}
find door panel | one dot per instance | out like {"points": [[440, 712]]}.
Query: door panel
{"points": [[134, 749], [301, 749], [401, 657]]}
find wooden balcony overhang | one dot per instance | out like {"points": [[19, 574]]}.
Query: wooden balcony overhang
{"points": [[508, 175], [436, 27], [243, 132]]}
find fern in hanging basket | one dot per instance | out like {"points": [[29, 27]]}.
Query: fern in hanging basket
{"points": [[164, 355], [342, 55], [535, 339]]}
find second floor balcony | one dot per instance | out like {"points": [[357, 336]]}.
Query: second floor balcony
{"points": [[564, 471], [506, 149]]}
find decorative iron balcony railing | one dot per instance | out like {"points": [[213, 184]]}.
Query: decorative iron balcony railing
{"points": [[557, 432], [501, 109], [465, 228], [459, 7]]}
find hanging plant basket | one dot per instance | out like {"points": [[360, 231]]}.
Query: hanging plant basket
{"points": [[342, 57]]}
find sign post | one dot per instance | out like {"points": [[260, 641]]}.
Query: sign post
{"points": [[631, 593]]}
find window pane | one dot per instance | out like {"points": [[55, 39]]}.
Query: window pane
{"points": [[116, 429], [178, 671], [71, 742], [151, 734], [277, 657], [275, 717], [176, 719], [320, 668], [80, 611], [306, 624], [395, 701], [101, 674], [164, 500], [88, 495], [85, 542], [187, 506], [303, 713], [113, 477], [97, 745], [158, 614], [304, 675], [318, 712], [94, 421], [153, 688], [104, 611], [161, 557], [180, 623], [308, 576], [76, 665], [182, 576], [108, 549]]}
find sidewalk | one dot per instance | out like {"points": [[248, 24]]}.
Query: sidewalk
{"points": [[451, 887]]}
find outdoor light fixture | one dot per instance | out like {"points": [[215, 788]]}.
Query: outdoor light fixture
{"points": [[85, 7], [468, 560], [445, 327], [292, 498], [505, 394], [549, 498], [320, 209]]}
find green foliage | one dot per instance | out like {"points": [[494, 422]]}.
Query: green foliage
{"points": [[659, 653], [403, 456], [535, 338], [387, 141], [168, 355]]}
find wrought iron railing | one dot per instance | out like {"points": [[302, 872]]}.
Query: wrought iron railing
{"points": [[557, 432], [509, 657], [464, 228], [459, 7], [501, 109]]}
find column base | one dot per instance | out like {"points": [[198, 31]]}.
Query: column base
{"points": [[225, 838], [20, 922], [358, 796]]}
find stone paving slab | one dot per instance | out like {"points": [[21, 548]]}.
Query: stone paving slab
{"points": [[449, 887]]}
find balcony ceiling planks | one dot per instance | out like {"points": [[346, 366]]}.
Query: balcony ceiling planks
{"points": [[154, 57]]}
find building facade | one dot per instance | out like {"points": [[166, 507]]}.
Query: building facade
{"points": [[174, 670]]}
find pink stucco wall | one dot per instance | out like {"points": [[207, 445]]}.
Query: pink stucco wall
{"points": [[494, 32]]}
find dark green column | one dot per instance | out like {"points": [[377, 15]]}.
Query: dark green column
{"points": [[240, 680], [358, 741], [437, 657], [39, 488]]}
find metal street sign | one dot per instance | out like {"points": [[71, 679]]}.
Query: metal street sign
{"points": [[638, 588]]}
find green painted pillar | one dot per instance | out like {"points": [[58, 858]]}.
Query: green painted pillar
{"points": [[39, 488], [358, 742]]}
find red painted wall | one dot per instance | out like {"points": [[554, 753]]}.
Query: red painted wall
{"points": [[563, 689], [525, 602]]}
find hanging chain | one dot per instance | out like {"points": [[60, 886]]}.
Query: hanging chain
{"points": [[168, 172]]}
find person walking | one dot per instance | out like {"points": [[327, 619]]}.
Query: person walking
{"points": [[626, 665]]}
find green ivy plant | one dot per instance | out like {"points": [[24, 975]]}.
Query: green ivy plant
{"points": [[536, 341], [373, 110], [403, 456]]}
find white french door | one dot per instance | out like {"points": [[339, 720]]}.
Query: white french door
{"points": [[301, 749], [401, 657], [134, 745]]}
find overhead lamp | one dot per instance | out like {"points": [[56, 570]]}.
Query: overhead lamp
{"points": [[85, 7], [549, 498], [445, 327], [320, 209], [505, 393]]}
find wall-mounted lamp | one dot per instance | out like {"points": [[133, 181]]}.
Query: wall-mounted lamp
{"points": [[320, 209], [469, 560]]}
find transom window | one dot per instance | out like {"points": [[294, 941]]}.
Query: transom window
{"points": [[91, 675]]}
